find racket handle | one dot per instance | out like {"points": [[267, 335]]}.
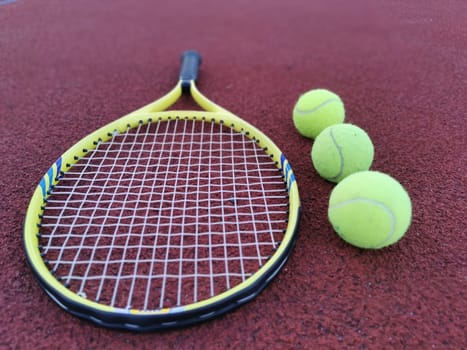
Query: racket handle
{"points": [[189, 70]]}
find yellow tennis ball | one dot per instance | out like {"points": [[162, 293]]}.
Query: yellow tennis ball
{"points": [[341, 150], [370, 210], [317, 109]]}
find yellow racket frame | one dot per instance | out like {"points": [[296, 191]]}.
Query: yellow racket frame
{"points": [[152, 112]]}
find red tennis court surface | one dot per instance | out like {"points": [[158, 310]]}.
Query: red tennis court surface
{"points": [[67, 67]]}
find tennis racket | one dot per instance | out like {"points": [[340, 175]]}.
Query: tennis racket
{"points": [[163, 219]]}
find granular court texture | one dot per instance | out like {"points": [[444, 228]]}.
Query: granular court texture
{"points": [[68, 67]]}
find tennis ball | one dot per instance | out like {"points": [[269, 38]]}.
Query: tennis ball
{"points": [[317, 109], [370, 209], [341, 150]]}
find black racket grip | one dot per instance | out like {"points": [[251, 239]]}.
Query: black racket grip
{"points": [[191, 61]]}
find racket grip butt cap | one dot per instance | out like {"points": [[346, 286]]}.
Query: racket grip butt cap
{"points": [[191, 61]]}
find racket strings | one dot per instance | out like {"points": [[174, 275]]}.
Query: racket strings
{"points": [[165, 214]]}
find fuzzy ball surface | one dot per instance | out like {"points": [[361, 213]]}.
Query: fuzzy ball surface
{"points": [[370, 209], [341, 150], [317, 109]]}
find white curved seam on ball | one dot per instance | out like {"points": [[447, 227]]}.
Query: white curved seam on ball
{"points": [[339, 150], [314, 109], [373, 202]]}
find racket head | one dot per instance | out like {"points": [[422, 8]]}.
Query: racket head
{"points": [[162, 316]]}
